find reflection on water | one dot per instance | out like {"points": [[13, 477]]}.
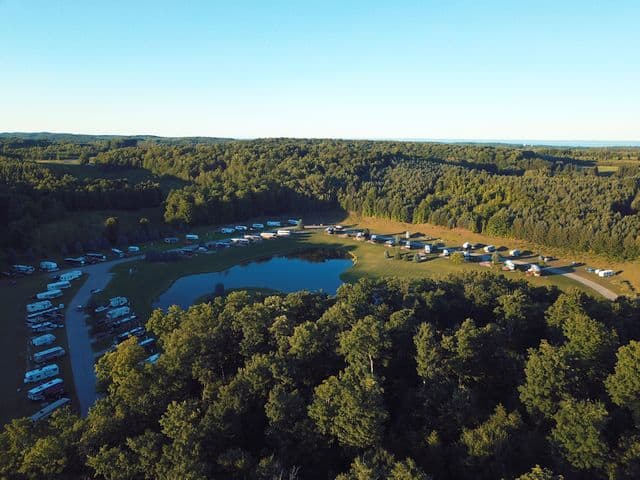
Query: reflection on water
{"points": [[310, 270]]}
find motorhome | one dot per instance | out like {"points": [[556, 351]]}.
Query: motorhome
{"points": [[48, 354], [44, 327], [23, 269], [58, 285], [42, 373], [70, 276], [51, 389], [283, 233], [76, 261], [47, 266], [118, 302], [39, 306], [133, 249], [117, 252], [118, 313], [49, 409], [49, 294], [42, 340]]}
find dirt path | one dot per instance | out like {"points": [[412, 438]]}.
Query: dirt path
{"points": [[604, 291], [78, 337]]}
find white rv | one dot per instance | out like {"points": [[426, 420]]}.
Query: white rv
{"points": [[58, 285], [49, 294], [49, 409], [117, 252], [191, 237], [118, 312], [24, 269], [47, 266], [42, 373], [69, 276], [515, 252], [52, 388], [133, 249], [38, 306], [48, 354], [42, 340], [118, 302], [273, 223], [257, 226], [489, 249], [283, 233]]}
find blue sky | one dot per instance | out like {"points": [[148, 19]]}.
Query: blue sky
{"points": [[541, 69]]}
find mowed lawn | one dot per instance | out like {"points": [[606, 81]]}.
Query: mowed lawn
{"points": [[15, 350], [143, 282]]}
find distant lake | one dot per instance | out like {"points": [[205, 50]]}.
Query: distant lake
{"points": [[284, 274]]}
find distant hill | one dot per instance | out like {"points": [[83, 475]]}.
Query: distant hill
{"points": [[83, 138]]}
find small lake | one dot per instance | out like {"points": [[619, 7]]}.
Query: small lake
{"points": [[284, 274]]}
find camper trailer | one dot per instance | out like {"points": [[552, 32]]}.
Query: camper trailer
{"points": [[49, 294], [76, 261], [606, 273], [58, 285], [191, 237], [148, 344], [47, 266], [118, 302], [44, 327], [134, 332], [49, 409], [489, 249], [117, 252], [51, 389], [257, 226], [515, 252], [227, 230], [273, 223], [268, 235], [283, 233], [42, 373], [118, 313], [48, 354], [171, 240], [39, 306], [152, 358], [23, 269], [69, 276], [96, 257], [132, 249], [48, 313], [467, 246], [42, 340]]}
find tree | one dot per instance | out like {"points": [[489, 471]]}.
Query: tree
{"points": [[112, 229], [540, 473], [457, 258], [366, 342], [624, 384], [492, 436], [578, 433]]}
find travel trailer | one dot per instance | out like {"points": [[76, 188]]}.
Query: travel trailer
{"points": [[58, 285], [51, 389], [38, 306], [42, 340], [273, 223], [283, 233], [118, 313], [47, 266], [24, 269], [49, 409], [48, 354], [49, 294], [69, 276], [42, 373], [118, 301]]}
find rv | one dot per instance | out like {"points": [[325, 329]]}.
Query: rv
{"points": [[43, 340], [69, 276], [122, 321], [283, 233], [293, 222], [428, 248], [171, 240], [51, 389], [191, 237], [40, 315], [42, 373], [49, 294], [49, 409], [117, 313], [24, 269], [117, 252], [268, 235], [606, 273], [134, 332], [242, 242], [273, 223], [148, 344], [509, 265], [39, 306], [118, 302], [489, 249], [257, 226], [76, 261], [227, 230], [467, 246], [133, 249], [515, 252], [241, 228], [48, 354], [49, 266], [97, 257], [58, 285], [44, 327], [153, 358]]}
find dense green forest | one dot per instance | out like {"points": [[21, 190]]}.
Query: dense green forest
{"points": [[551, 196], [472, 377]]}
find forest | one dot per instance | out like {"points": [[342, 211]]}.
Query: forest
{"points": [[475, 376], [556, 197]]}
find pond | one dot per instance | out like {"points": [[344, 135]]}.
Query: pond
{"points": [[286, 274]]}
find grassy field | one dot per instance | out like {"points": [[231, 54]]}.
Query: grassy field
{"points": [[149, 280], [15, 350]]}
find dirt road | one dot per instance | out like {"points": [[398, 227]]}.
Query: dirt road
{"points": [[604, 291], [79, 339]]}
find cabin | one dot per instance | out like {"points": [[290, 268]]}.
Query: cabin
{"points": [[48, 354], [283, 233], [171, 240], [191, 238], [23, 269], [43, 340], [49, 409], [42, 373], [48, 266]]}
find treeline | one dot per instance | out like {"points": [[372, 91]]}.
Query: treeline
{"points": [[31, 194], [473, 377]]}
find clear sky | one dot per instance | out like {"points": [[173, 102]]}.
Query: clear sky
{"points": [[463, 69]]}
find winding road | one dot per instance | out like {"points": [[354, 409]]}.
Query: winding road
{"points": [[78, 336]]}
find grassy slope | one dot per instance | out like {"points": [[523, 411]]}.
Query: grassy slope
{"points": [[14, 344]]}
